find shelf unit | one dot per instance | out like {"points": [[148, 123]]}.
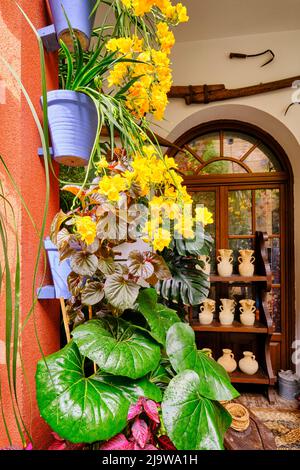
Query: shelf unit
{"points": [[217, 336]]}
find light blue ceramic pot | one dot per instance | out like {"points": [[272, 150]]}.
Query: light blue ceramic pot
{"points": [[73, 122], [78, 13]]}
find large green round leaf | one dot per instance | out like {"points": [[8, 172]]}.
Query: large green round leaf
{"points": [[117, 347], [158, 316], [182, 351], [132, 389], [78, 408], [192, 421]]}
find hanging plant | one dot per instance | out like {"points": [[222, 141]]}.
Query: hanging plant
{"points": [[78, 14]]}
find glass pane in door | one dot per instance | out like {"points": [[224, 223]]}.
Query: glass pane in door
{"points": [[240, 212], [267, 205]]}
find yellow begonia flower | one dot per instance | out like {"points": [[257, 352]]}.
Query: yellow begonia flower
{"points": [[102, 164], [165, 37], [162, 239], [176, 14], [112, 186], [86, 228], [204, 216]]}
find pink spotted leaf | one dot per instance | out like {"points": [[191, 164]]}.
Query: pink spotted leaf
{"points": [[135, 409], [140, 432], [151, 410]]}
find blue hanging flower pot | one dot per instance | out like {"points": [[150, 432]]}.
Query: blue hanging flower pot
{"points": [[78, 13], [73, 124]]}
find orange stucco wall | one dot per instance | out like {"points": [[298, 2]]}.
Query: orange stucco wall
{"points": [[19, 141]]}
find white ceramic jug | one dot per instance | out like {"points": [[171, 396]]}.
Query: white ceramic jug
{"points": [[228, 304], [226, 317], [247, 316], [225, 261], [208, 304], [206, 317], [246, 260], [248, 364], [227, 360]]}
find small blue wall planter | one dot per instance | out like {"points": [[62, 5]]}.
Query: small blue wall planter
{"points": [[78, 13], [59, 289], [59, 272], [73, 123]]}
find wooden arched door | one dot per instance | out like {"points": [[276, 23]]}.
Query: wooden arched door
{"points": [[244, 177]]}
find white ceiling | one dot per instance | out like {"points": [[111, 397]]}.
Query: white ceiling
{"points": [[224, 18]]}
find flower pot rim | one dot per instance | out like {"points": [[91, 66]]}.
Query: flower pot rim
{"points": [[67, 95]]}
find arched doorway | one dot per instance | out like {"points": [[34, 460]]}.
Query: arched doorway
{"points": [[244, 177]]}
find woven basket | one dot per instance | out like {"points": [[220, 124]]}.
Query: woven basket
{"points": [[240, 416]]}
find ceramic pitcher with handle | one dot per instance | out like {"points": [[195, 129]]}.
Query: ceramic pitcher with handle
{"points": [[247, 310], [246, 260], [225, 260], [207, 312], [248, 364], [227, 360], [227, 311]]}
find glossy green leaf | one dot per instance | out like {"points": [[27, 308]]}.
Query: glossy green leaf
{"points": [[84, 263], [159, 317], [121, 292], [78, 408], [92, 293], [187, 285], [182, 352], [201, 245], [192, 421], [133, 389], [117, 347]]}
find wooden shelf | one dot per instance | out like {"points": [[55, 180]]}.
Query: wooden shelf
{"points": [[236, 327], [259, 378], [236, 278]]}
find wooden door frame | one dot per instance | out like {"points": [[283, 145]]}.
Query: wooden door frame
{"points": [[285, 180]]}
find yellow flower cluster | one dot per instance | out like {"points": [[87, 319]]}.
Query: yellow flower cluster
{"points": [[112, 186], [148, 94], [204, 216], [102, 164], [159, 237], [149, 173], [176, 14], [86, 228], [165, 37]]}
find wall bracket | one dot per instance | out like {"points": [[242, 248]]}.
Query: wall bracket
{"points": [[41, 152], [59, 271], [49, 38]]}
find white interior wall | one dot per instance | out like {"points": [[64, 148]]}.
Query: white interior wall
{"points": [[207, 62]]}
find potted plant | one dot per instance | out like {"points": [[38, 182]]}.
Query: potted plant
{"points": [[78, 14], [77, 111]]}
